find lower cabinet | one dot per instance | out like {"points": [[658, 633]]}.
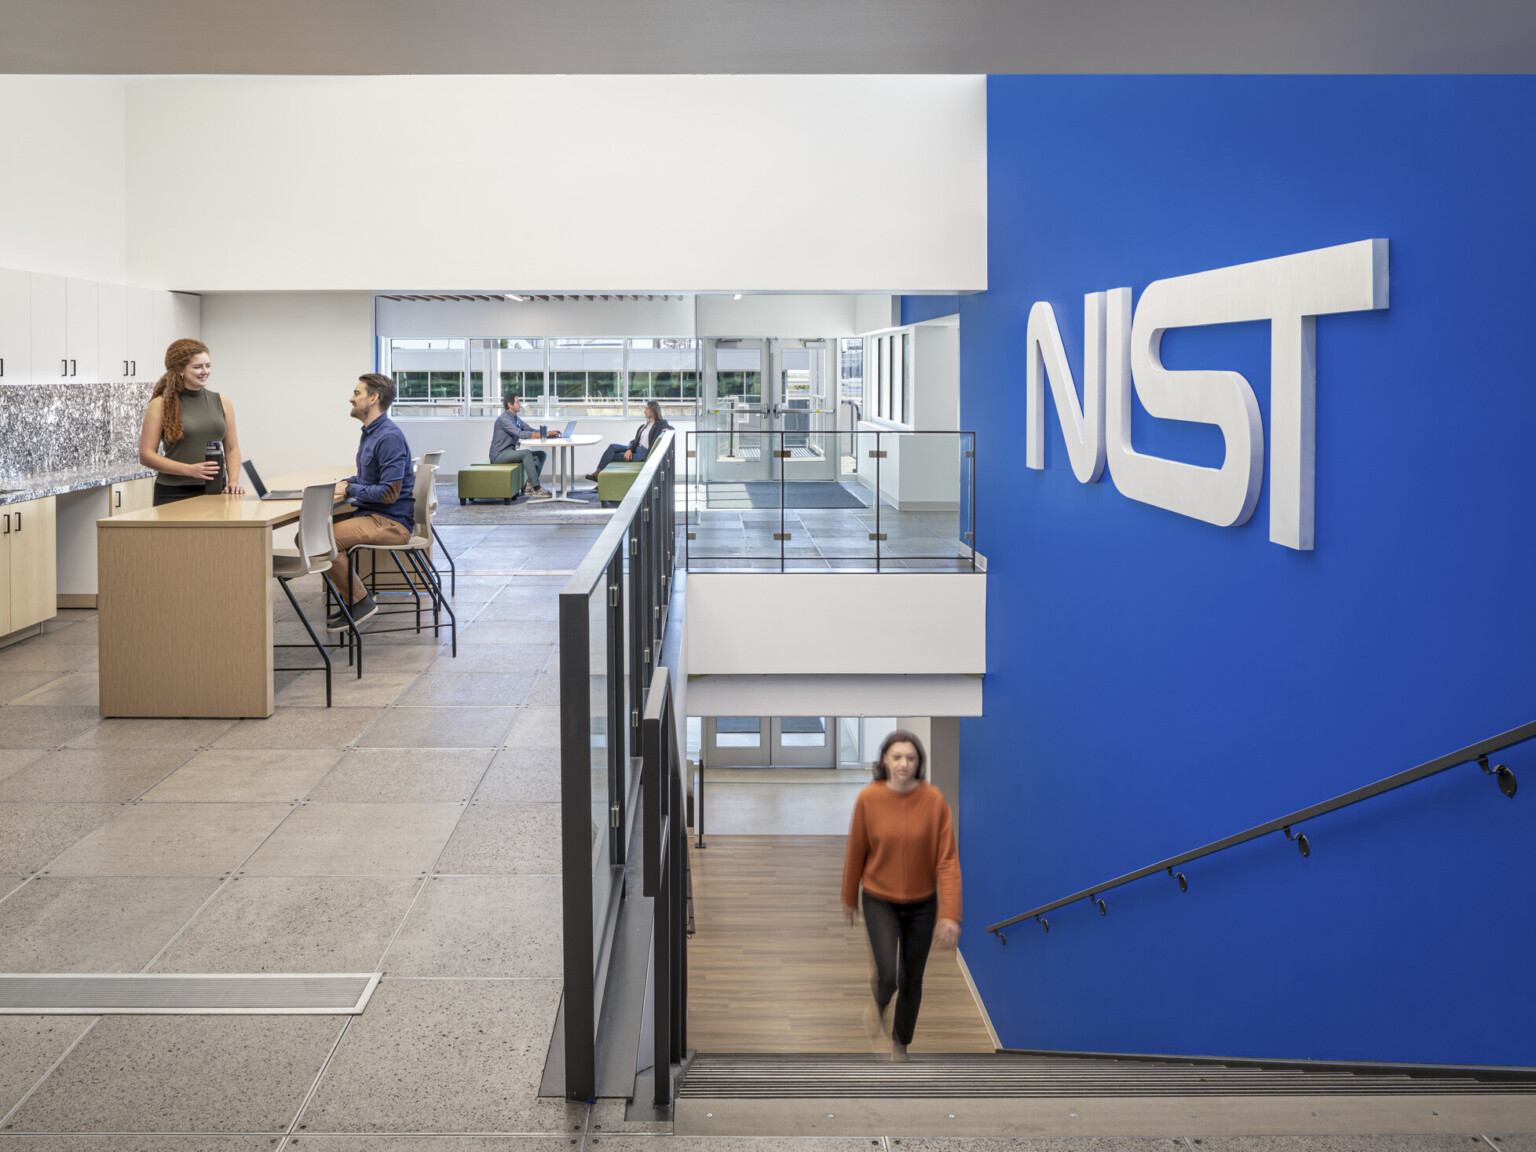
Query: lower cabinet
{"points": [[28, 564], [131, 496], [78, 514]]}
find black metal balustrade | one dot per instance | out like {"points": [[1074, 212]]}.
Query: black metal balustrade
{"points": [[613, 619], [666, 882], [1290, 824]]}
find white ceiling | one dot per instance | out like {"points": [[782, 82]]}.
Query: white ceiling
{"points": [[386, 37]]}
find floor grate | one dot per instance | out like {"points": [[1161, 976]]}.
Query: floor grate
{"points": [[104, 994]]}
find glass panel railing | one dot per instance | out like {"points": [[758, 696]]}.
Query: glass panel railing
{"points": [[601, 660], [807, 500]]}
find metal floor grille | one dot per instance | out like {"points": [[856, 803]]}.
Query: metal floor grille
{"points": [[983, 1076], [95, 994]]}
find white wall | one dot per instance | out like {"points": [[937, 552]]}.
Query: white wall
{"points": [[787, 315], [561, 183], [844, 623], [62, 201], [289, 362], [505, 318]]}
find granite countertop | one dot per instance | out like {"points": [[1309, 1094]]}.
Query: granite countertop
{"points": [[13, 490]]}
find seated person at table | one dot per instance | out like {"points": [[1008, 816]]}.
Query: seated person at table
{"points": [[655, 424], [383, 491], [505, 437]]}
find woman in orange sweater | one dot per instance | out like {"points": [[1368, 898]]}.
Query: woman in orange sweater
{"points": [[901, 849]]}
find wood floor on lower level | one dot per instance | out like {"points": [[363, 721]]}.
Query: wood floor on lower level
{"points": [[773, 968]]}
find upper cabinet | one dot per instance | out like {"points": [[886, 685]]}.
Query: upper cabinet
{"points": [[15, 327], [55, 329]]}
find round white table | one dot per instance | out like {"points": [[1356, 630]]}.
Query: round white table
{"points": [[564, 462]]}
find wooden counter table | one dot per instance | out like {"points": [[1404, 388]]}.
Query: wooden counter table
{"points": [[184, 600]]}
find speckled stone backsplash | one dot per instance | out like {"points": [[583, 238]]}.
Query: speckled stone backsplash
{"points": [[54, 427]]}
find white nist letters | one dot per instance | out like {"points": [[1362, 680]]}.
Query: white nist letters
{"points": [[1289, 292]]}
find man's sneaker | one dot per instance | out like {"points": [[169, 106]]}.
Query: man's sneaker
{"points": [[364, 608], [543, 493]]}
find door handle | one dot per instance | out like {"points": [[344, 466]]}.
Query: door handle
{"points": [[119, 495], [18, 521], [71, 367], [135, 371], [7, 531], [64, 371], [125, 367]]}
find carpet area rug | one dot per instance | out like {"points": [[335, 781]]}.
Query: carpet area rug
{"points": [[768, 494], [523, 510]]}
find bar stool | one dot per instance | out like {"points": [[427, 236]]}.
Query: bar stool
{"points": [[416, 553], [315, 552], [436, 460]]}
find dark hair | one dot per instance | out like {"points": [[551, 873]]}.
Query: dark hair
{"points": [[509, 398], [381, 386], [900, 736], [652, 407]]}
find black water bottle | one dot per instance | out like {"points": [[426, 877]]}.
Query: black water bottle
{"points": [[214, 454]]}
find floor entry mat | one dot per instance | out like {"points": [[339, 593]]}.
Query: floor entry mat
{"points": [[99, 994], [767, 494]]}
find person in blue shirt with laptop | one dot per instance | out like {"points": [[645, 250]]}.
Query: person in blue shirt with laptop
{"points": [[382, 490], [507, 435]]}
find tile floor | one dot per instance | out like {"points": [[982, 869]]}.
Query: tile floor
{"points": [[412, 828]]}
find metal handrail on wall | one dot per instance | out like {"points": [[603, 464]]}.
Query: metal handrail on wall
{"points": [[875, 444], [632, 565], [1472, 754]]}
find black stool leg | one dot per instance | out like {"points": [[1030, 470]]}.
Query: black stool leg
{"points": [[453, 571], [308, 627], [353, 635]]}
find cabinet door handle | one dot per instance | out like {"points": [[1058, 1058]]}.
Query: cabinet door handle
{"points": [[125, 367], [7, 531], [18, 521], [135, 371], [119, 495], [71, 367], [64, 371], [2, 365]]}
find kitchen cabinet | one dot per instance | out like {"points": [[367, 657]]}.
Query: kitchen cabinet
{"points": [[112, 333], [145, 361], [82, 336], [28, 564], [15, 327], [50, 344], [131, 496]]}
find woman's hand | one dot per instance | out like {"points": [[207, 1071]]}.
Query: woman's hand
{"points": [[233, 490], [946, 934], [207, 470], [628, 455], [850, 914]]}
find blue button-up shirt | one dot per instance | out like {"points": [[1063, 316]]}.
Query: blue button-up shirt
{"points": [[384, 483], [510, 429]]}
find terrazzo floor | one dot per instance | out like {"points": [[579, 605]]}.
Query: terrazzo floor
{"points": [[412, 828]]}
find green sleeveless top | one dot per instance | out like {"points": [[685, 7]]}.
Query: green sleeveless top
{"points": [[202, 420]]}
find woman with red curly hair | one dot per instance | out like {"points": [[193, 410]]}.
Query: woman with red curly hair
{"points": [[184, 414]]}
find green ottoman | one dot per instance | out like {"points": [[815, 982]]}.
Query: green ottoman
{"points": [[490, 482], [614, 481]]}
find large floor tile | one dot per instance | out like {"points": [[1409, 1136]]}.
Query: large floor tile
{"points": [[376, 689], [357, 840], [35, 656], [95, 923], [33, 834], [121, 732], [522, 776], [491, 631], [183, 1074], [545, 692], [395, 775], [440, 728], [13, 760], [28, 1047], [539, 610], [445, 1056], [382, 1143], [121, 1142], [293, 924], [536, 727], [505, 839], [172, 840], [474, 657], [9, 884], [75, 689], [635, 1142], [44, 726], [484, 689], [90, 775], [1395, 1143], [251, 775], [14, 684], [481, 926], [301, 728]]}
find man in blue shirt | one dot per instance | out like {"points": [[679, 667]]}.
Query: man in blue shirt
{"points": [[510, 429], [382, 490]]}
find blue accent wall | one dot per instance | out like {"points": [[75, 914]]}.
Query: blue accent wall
{"points": [[1157, 683], [916, 309]]}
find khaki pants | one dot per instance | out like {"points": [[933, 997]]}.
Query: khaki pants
{"points": [[360, 529]]}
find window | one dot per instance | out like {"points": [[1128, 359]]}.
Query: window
{"points": [[892, 384], [850, 370], [426, 371]]}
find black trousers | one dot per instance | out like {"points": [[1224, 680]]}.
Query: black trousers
{"points": [[616, 452], [900, 936], [170, 493]]}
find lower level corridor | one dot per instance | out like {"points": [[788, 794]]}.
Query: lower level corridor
{"points": [[773, 968]]}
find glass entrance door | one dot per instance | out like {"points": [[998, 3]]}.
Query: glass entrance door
{"points": [[735, 411], [770, 741], [803, 407]]}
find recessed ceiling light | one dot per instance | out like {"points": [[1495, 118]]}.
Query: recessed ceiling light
{"points": [[514, 298], [737, 296]]}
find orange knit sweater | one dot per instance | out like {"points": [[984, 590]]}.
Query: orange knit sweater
{"points": [[901, 847]]}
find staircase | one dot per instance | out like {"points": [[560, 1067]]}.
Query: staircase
{"points": [[1019, 1095]]}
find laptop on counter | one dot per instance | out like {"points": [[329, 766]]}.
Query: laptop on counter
{"points": [[261, 489]]}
